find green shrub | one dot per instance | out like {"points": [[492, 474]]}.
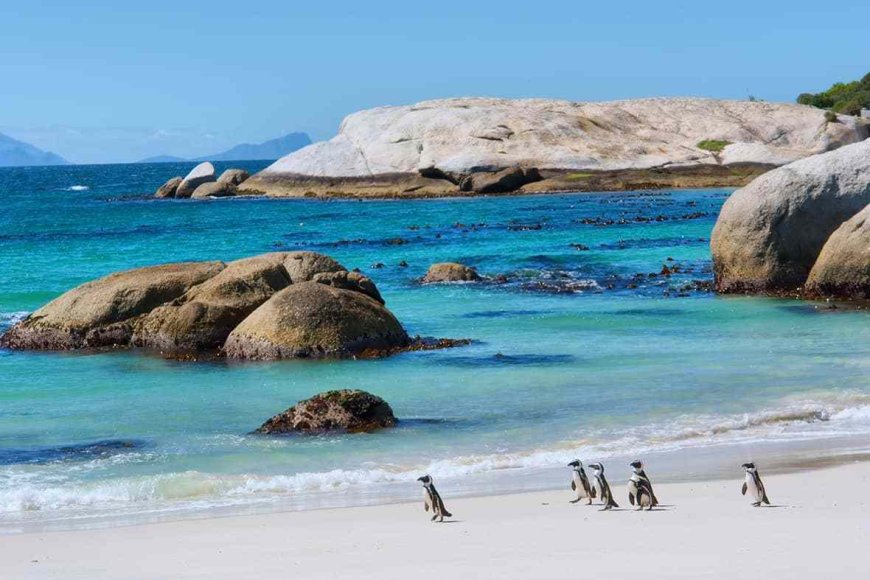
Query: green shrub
{"points": [[846, 98], [831, 117], [714, 145]]}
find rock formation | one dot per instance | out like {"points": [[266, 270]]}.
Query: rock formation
{"points": [[843, 267], [450, 272], [278, 305], [233, 176], [429, 148], [95, 313], [313, 320], [770, 233], [169, 188], [214, 189], [346, 410], [202, 173]]}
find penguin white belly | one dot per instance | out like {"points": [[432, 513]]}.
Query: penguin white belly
{"points": [[427, 500], [752, 488], [578, 486]]}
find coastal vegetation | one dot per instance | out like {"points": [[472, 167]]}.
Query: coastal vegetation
{"points": [[714, 145], [844, 98]]}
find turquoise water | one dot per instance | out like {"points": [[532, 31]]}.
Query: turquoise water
{"points": [[581, 353]]}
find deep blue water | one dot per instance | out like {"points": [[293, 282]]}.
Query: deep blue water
{"points": [[583, 348]]}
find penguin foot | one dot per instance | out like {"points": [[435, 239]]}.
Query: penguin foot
{"points": [[756, 504], [573, 500]]}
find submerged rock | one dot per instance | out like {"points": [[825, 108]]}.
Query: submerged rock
{"points": [[98, 313], [169, 188], [770, 233], [313, 320], [843, 267], [346, 410], [202, 173], [450, 272]]}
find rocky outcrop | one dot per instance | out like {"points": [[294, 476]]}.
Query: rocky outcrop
{"points": [[843, 267], [347, 410], [202, 173], [770, 233], [98, 313], [429, 148], [214, 189], [278, 305], [349, 281], [313, 320], [169, 188], [450, 272], [204, 316], [234, 176]]}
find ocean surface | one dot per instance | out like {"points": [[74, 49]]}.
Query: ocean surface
{"points": [[584, 349]]}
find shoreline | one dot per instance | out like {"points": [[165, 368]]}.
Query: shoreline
{"points": [[537, 534], [552, 181], [680, 466]]}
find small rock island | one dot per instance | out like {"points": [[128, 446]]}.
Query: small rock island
{"points": [[272, 306], [346, 410]]}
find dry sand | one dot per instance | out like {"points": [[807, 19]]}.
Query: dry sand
{"points": [[818, 528]]}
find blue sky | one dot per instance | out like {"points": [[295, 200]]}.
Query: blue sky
{"points": [[115, 81]]}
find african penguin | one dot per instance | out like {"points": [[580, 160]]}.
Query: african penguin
{"points": [[640, 487], [602, 487], [754, 484], [580, 483], [432, 499]]}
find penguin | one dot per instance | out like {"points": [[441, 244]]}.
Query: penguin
{"points": [[432, 499], [580, 483], [639, 483], [603, 489], [754, 484]]}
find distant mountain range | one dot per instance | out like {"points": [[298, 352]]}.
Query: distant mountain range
{"points": [[15, 153], [272, 149]]}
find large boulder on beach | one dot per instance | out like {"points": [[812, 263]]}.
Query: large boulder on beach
{"points": [[169, 188], [314, 320], [214, 189], [202, 173], [384, 151], [345, 410], [97, 313], [843, 267], [770, 233], [450, 272], [234, 176]]}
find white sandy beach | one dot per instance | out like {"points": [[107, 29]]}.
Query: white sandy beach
{"points": [[819, 527]]}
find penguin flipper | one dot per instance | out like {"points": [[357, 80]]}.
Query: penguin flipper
{"points": [[592, 492], [743, 491], [573, 486], [631, 498], [426, 505], [764, 499]]}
